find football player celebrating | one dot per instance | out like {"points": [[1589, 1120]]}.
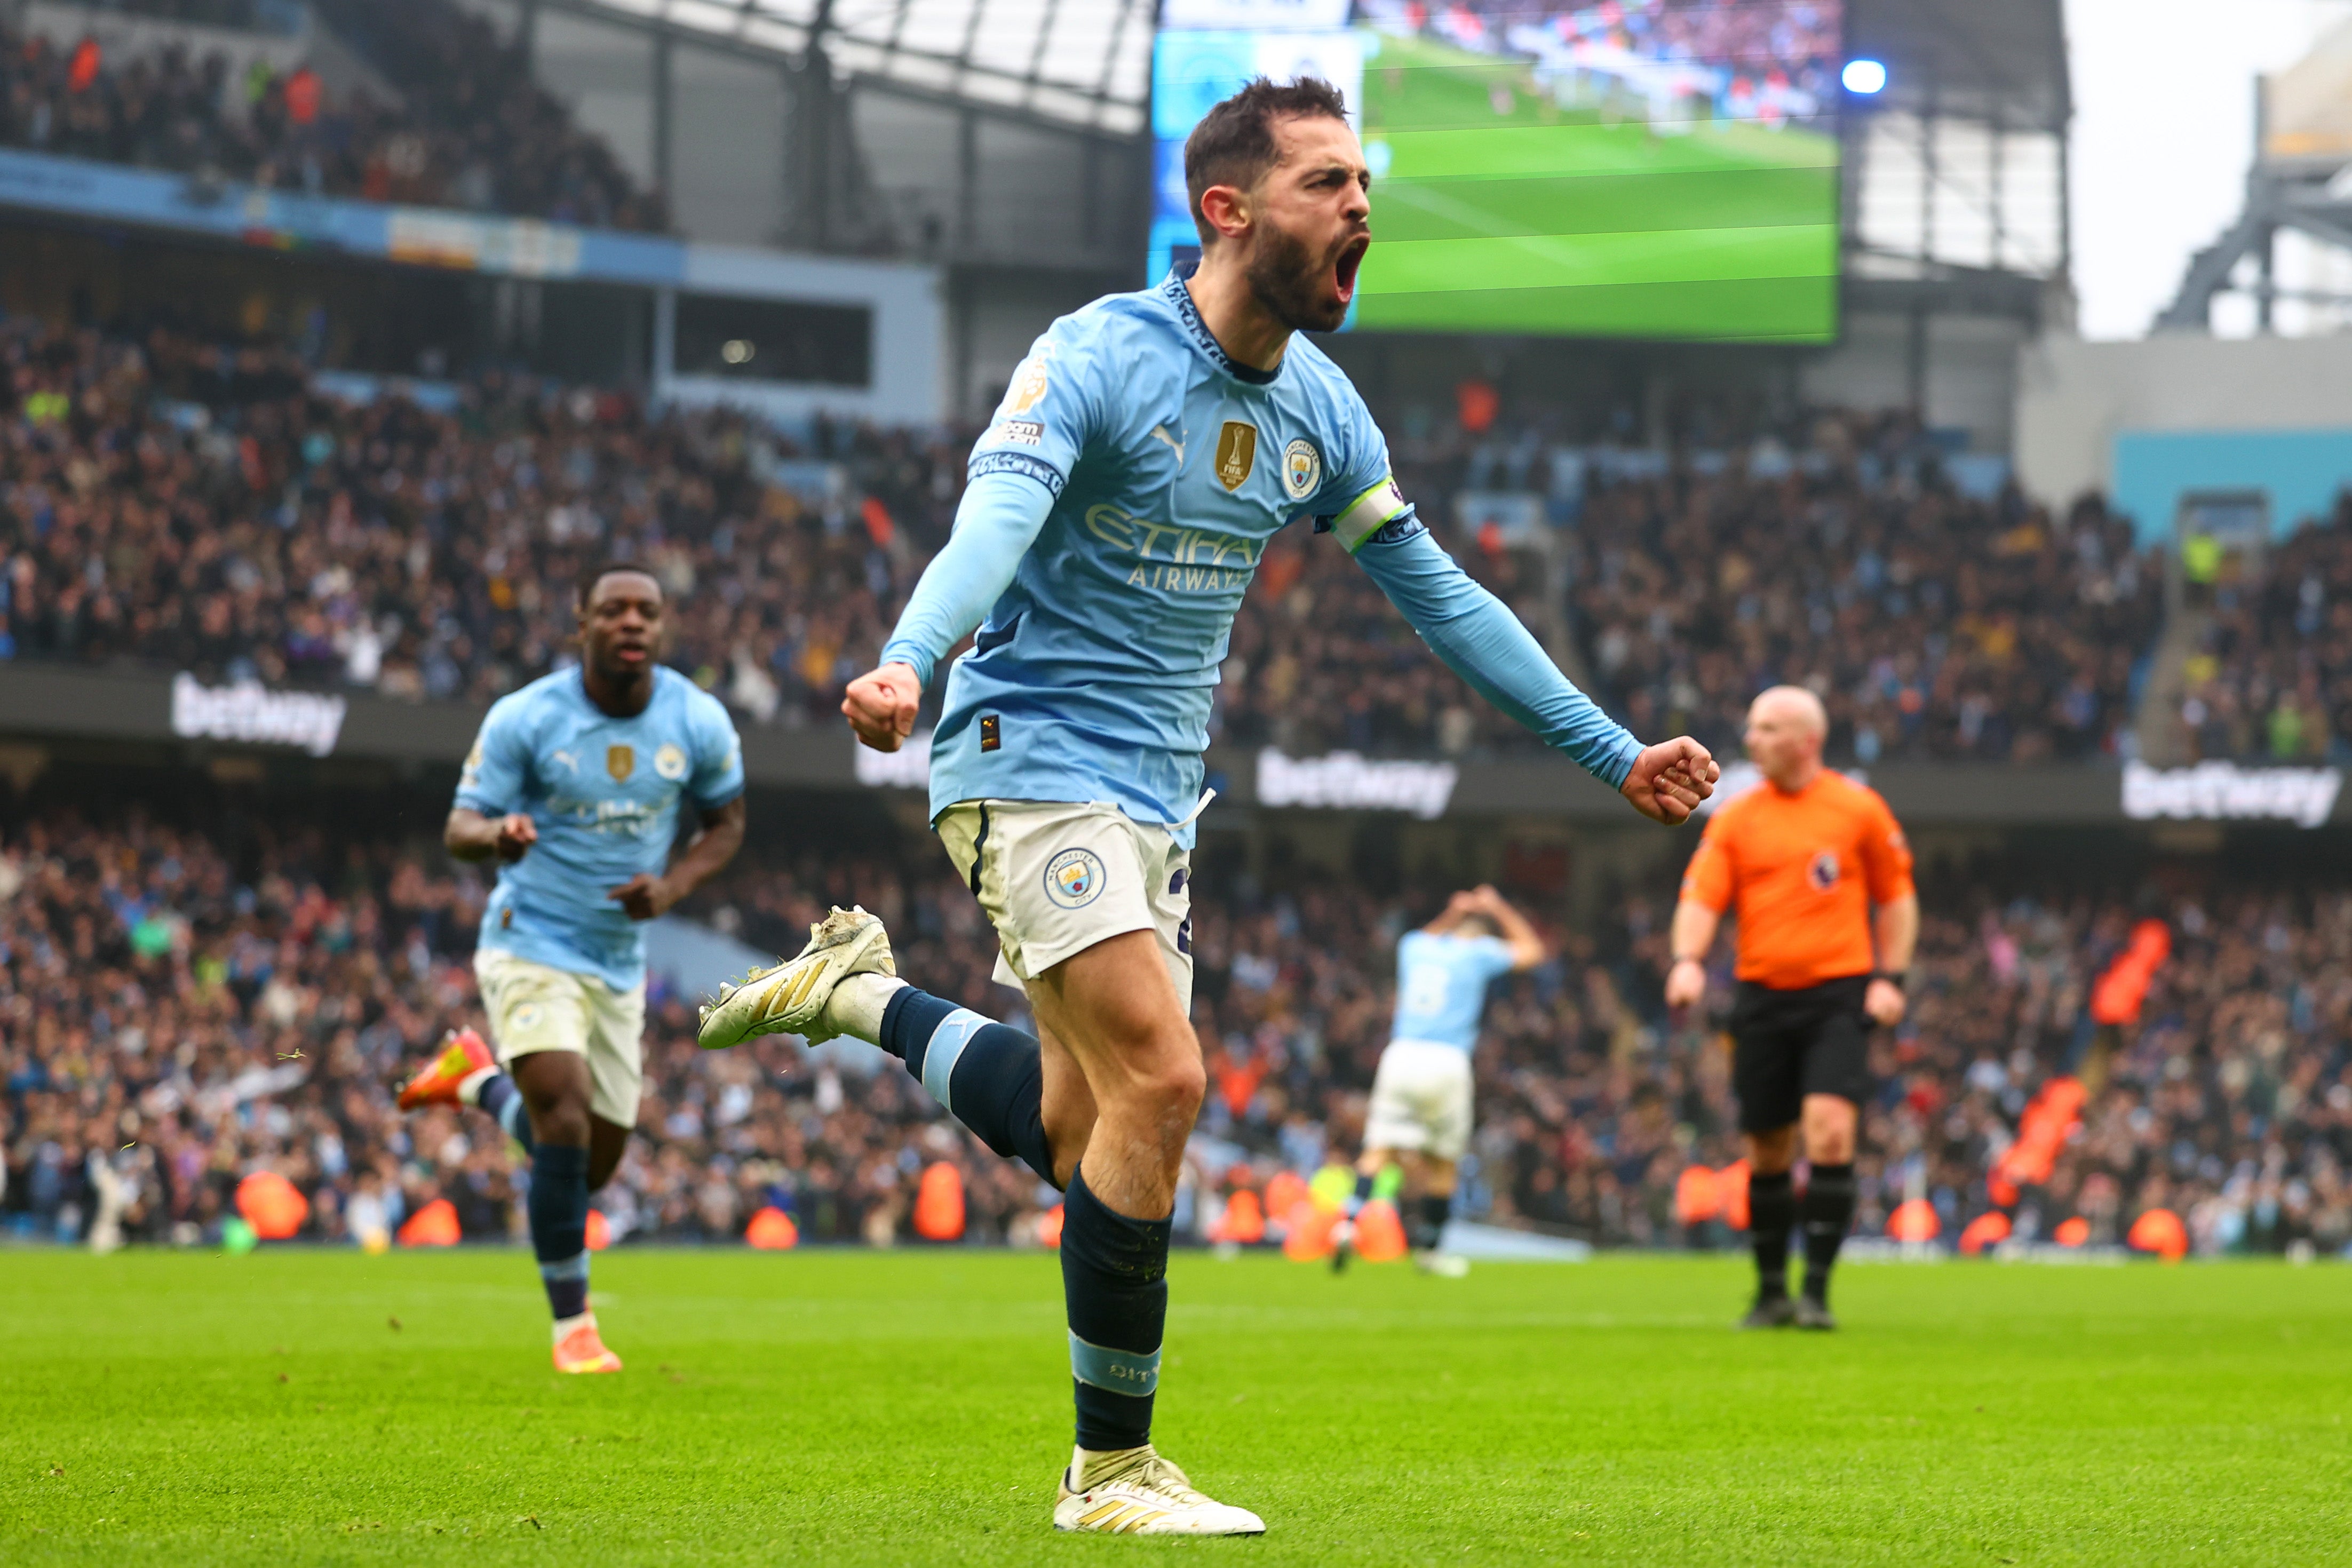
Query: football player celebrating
{"points": [[1144, 454], [574, 787]]}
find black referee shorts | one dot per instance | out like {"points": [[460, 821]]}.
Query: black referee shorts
{"points": [[1789, 1044]]}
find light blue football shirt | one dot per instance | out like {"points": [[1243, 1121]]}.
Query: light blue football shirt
{"points": [[604, 793], [1442, 984], [1097, 667], [1118, 509]]}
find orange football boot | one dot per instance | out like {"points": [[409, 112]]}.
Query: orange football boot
{"points": [[580, 1348], [463, 1055]]}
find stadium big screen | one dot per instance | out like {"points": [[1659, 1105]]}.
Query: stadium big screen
{"points": [[1636, 167]]}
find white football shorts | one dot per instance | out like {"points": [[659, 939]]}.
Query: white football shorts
{"points": [[534, 1007], [1056, 878], [1422, 1100]]}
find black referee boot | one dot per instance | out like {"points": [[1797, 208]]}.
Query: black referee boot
{"points": [[1770, 1312], [1814, 1315]]}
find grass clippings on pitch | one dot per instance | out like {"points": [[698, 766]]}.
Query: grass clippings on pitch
{"points": [[912, 1408]]}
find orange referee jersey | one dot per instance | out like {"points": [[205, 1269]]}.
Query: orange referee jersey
{"points": [[1800, 872]]}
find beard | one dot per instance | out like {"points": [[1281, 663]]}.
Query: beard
{"points": [[1288, 279]]}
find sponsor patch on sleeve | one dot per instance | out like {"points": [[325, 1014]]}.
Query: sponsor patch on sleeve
{"points": [[1037, 468]]}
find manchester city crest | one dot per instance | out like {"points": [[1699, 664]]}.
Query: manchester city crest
{"points": [[1073, 878], [670, 763], [1302, 469]]}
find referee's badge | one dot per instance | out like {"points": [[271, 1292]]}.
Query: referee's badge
{"points": [[1823, 871], [1237, 452], [1302, 469]]}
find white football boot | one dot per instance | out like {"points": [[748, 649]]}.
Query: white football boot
{"points": [[789, 998], [1443, 1265], [1134, 1492]]}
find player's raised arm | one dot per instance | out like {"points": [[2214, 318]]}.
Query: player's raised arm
{"points": [[995, 524], [1480, 640], [1527, 944]]}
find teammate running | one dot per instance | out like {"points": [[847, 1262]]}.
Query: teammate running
{"points": [[1799, 859], [574, 786], [1422, 1095], [1143, 455]]}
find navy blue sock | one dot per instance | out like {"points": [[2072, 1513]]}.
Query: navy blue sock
{"points": [[500, 1097], [1771, 1210], [1435, 1208], [986, 1074], [559, 1225], [1115, 1291], [1362, 1195]]}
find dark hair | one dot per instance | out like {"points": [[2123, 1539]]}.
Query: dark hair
{"points": [[1234, 143], [583, 586]]}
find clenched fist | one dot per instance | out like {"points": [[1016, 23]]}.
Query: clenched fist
{"points": [[880, 705], [1669, 780]]}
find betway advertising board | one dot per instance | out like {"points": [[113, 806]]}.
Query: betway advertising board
{"points": [[41, 701]]}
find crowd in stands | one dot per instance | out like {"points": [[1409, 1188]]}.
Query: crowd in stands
{"points": [[209, 509], [1935, 624], [184, 1008], [2272, 679], [463, 123]]}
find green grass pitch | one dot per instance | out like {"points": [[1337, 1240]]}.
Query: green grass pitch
{"points": [[912, 1407], [1494, 211]]}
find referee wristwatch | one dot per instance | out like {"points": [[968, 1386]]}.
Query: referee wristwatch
{"points": [[1899, 978]]}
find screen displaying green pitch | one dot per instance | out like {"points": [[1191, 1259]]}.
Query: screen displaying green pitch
{"points": [[1651, 169]]}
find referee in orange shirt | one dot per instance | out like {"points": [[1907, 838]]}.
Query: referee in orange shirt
{"points": [[1813, 866]]}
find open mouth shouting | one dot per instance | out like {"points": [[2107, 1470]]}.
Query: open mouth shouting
{"points": [[1343, 271]]}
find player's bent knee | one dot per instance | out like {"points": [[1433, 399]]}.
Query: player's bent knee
{"points": [[1169, 1088]]}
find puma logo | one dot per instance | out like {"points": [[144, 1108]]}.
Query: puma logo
{"points": [[1159, 433]]}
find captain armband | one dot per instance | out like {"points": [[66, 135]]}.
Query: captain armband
{"points": [[1370, 515]]}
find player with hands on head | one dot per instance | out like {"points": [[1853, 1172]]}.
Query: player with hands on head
{"points": [[573, 788], [1116, 511], [1422, 1096], [1817, 872]]}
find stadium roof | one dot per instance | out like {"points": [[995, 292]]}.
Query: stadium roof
{"points": [[1085, 62], [1984, 59]]}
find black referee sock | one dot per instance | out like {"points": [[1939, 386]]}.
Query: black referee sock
{"points": [[986, 1074], [1115, 1292], [1827, 1211], [1771, 1210]]}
